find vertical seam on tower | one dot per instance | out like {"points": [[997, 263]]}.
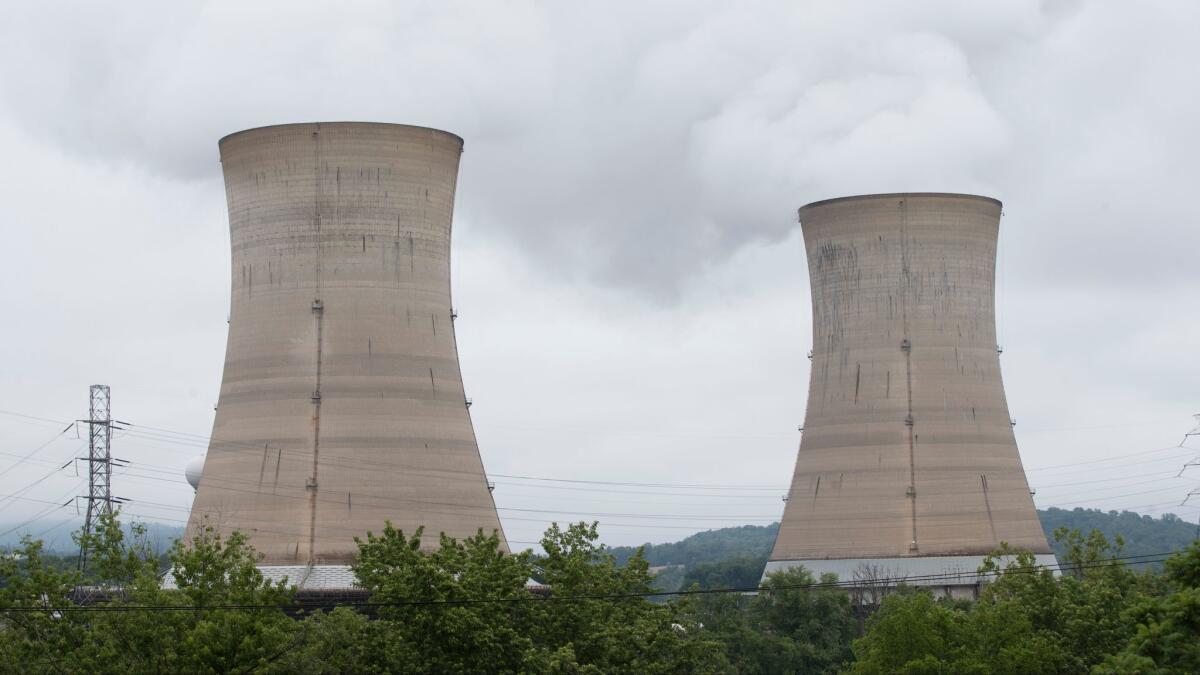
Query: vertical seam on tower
{"points": [[318, 310], [906, 346]]}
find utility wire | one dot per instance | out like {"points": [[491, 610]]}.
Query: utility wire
{"points": [[375, 466], [35, 483], [201, 442], [34, 451], [574, 484], [55, 506]]}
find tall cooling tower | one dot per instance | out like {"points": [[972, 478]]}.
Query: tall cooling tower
{"points": [[342, 404], [908, 467]]}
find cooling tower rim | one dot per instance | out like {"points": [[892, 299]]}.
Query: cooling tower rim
{"points": [[904, 195], [226, 137]]}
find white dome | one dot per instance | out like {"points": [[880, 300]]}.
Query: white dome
{"points": [[192, 471]]}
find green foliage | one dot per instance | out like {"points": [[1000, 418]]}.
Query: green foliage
{"points": [[740, 572], [1183, 570], [910, 633], [1167, 636], [668, 579], [789, 626], [1028, 620], [449, 630], [612, 633], [913, 633], [205, 638], [464, 608], [35, 640]]}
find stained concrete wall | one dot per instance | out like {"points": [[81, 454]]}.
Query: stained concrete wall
{"points": [[342, 403], [907, 447]]}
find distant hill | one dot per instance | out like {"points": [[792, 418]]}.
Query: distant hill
{"points": [[1143, 535], [710, 546], [735, 556], [732, 557], [57, 535]]}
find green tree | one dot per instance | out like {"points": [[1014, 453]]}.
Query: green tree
{"points": [[465, 608], [1166, 640], [739, 572], [911, 633], [132, 623], [33, 637], [817, 618], [597, 613], [1074, 618], [791, 625], [450, 610], [1027, 620]]}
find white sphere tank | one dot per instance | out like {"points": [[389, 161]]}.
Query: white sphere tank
{"points": [[192, 471]]}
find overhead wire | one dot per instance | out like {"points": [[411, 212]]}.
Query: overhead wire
{"points": [[198, 441], [54, 506], [57, 468], [227, 482], [569, 484], [33, 452], [778, 489]]}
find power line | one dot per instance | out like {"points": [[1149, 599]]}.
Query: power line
{"points": [[590, 514], [336, 497], [575, 483], [541, 482], [198, 441], [31, 453], [252, 487], [31, 485], [351, 531], [55, 506], [1104, 459]]}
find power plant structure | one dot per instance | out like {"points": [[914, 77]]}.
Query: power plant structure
{"points": [[342, 403], [908, 468]]}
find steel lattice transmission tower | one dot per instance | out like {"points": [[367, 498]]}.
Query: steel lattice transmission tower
{"points": [[100, 425]]}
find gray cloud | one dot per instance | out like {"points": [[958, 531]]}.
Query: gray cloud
{"points": [[632, 145]]}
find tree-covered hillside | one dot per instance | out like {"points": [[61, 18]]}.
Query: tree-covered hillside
{"points": [[711, 546], [734, 557], [1143, 535], [58, 536]]}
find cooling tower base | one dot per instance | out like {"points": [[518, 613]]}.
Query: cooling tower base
{"points": [[305, 577], [951, 575]]}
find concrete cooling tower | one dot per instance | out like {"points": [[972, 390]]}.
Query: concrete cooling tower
{"points": [[342, 404], [908, 467]]}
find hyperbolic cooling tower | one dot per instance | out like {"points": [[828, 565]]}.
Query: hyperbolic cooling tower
{"points": [[342, 404], [908, 466]]}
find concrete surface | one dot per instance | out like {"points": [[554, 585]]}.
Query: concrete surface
{"points": [[342, 404], [907, 449]]}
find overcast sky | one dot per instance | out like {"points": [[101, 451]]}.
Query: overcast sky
{"points": [[628, 268]]}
